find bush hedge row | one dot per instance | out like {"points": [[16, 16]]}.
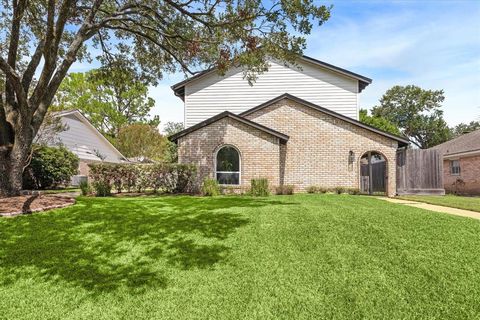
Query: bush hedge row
{"points": [[162, 177]]}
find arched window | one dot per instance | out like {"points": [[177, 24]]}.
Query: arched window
{"points": [[228, 165]]}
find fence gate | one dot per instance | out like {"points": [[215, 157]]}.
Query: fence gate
{"points": [[419, 172]]}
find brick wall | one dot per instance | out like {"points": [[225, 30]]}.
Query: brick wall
{"points": [[316, 153], [259, 151], [318, 148], [469, 174]]}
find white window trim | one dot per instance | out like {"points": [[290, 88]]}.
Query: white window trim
{"points": [[239, 165], [451, 167]]}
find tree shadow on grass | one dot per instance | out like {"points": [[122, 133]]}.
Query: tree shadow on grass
{"points": [[102, 245]]}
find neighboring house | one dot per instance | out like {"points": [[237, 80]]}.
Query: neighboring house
{"points": [[293, 126], [85, 141], [461, 163]]}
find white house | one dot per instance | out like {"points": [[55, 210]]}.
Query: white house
{"points": [[85, 141]]}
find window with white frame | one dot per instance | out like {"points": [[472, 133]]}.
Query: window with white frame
{"points": [[228, 165], [455, 167]]}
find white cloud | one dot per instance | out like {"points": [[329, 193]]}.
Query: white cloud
{"points": [[435, 47]]}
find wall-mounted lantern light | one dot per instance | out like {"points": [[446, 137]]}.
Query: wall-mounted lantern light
{"points": [[351, 157]]}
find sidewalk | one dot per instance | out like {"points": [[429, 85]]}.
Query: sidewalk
{"points": [[432, 207]]}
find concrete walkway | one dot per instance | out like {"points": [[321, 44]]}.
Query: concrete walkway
{"points": [[433, 207]]}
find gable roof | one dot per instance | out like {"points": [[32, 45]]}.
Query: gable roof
{"points": [[403, 140], [76, 113], [466, 143], [228, 114], [179, 88]]}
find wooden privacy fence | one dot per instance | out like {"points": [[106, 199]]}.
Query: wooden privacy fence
{"points": [[419, 172]]}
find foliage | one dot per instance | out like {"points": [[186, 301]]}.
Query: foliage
{"points": [[50, 167], [464, 128], [171, 152], [163, 177], [102, 188], [141, 140], [259, 187], [173, 127], [317, 189], [210, 187], [285, 189], [378, 122], [416, 112], [110, 98], [85, 188], [353, 191], [339, 190]]}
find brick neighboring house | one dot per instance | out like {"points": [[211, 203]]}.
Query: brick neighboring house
{"points": [[461, 163], [294, 126]]}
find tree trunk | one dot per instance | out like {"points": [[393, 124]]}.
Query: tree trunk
{"points": [[12, 162], [11, 173]]}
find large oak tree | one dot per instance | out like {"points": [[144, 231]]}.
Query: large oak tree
{"points": [[41, 39]]}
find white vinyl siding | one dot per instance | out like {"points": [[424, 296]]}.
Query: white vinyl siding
{"points": [[211, 94], [82, 140]]}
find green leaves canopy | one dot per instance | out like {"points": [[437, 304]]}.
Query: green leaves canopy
{"points": [[417, 112], [46, 37], [378, 122], [109, 98]]}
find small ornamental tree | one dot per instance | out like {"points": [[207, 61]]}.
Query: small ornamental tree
{"points": [[45, 38]]}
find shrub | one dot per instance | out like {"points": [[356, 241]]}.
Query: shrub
{"points": [[353, 191], [185, 175], [85, 188], [102, 188], [163, 177], [210, 187], [339, 190], [315, 189], [285, 190], [323, 190], [259, 187], [50, 167]]}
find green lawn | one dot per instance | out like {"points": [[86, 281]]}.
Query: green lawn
{"points": [[281, 257], [467, 203]]}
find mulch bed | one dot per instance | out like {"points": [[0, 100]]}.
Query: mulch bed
{"points": [[14, 206]]}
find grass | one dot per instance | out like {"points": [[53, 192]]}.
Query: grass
{"points": [[467, 203], [281, 257]]}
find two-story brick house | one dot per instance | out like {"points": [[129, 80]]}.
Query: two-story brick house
{"points": [[294, 126]]}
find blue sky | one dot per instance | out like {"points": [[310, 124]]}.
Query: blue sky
{"points": [[432, 44]]}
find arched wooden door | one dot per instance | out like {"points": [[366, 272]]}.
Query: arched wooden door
{"points": [[373, 173]]}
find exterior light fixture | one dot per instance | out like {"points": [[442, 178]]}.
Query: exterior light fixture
{"points": [[351, 157]]}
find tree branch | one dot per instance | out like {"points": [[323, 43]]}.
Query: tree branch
{"points": [[15, 83], [32, 66], [18, 11]]}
